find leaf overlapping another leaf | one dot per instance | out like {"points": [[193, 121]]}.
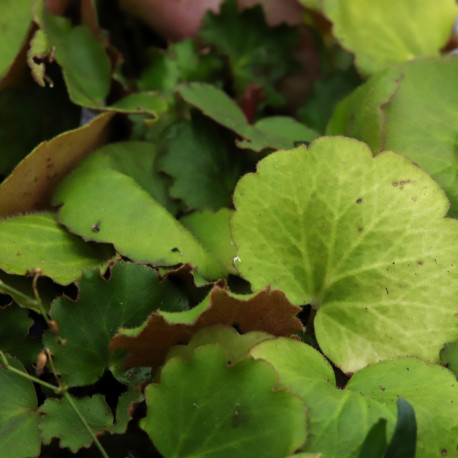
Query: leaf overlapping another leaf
{"points": [[363, 240]]}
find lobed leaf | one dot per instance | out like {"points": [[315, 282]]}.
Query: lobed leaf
{"points": [[37, 242], [18, 413], [149, 343], [80, 351], [449, 356], [413, 114], [224, 411], [363, 240]]}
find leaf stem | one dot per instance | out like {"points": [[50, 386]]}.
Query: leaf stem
{"points": [[86, 424], [6, 364], [61, 389], [29, 302]]}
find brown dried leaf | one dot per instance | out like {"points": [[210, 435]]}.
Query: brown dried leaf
{"points": [[267, 311], [32, 182]]}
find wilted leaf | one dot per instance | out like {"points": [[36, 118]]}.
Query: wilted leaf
{"points": [[32, 182], [224, 411], [30, 114], [18, 414], [86, 328], [383, 34], [275, 132], [113, 197], [14, 329], [59, 420], [36, 241], [363, 240], [266, 311], [204, 167], [338, 419], [431, 390]]}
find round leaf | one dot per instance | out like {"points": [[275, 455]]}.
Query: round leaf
{"points": [[222, 411], [361, 239]]}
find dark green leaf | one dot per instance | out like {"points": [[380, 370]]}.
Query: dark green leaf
{"points": [[403, 442], [257, 53], [374, 445], [203, 165], [81, 352], [18, 414]]}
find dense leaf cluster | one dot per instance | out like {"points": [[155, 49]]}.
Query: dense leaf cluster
{"points": [[242, 243]]}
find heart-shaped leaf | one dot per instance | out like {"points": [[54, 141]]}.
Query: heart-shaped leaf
{"points": [[355, 237]]}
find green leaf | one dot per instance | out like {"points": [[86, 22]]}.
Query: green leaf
{"points": [[449, 356], [404, 439], [151, 103], [275, 132], [117, 201], [224, 410], [81, 352], [18, 414], [31, 242], [181, 62], [257, 53], [363, 240], [415, 118], [379, 35], [375, 444], [124, 409], [60, 420], [236, 345], [85, 65], [14, 329], [338, 419], [431, 390], [203, 165], [15, 19], [212, 229]]}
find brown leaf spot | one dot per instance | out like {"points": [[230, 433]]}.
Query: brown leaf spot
{"points": [[358, 201]]}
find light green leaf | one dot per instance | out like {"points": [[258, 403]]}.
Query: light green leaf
{"points": [[212, 229], [275, 132], [87, 327], [431, 390], [36, 241], [148, 102], [379, 34], [413, 114], [85, 65], [222, 410], [18, 414], [60, 420], [15, 19], [114, 200], [338, 419], [363, 240]]}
